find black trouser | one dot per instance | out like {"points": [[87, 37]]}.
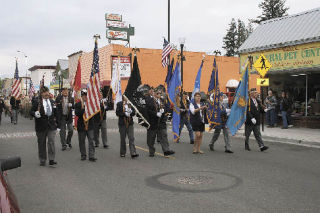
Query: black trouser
{"points": [[257, 134], [163, 137]]}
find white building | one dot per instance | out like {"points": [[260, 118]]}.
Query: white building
{"points": [[37, 72]]}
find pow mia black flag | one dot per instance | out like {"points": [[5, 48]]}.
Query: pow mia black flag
{"points": [[135, 95]]}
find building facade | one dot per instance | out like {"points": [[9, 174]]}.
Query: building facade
{"points": [[38, 72]]}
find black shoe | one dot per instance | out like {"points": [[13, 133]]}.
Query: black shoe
{"points": [[284, 127], [211, 147], [42, 163], [247, 147], [97, 145], [264, 148], [122, 156], [192, 142], [106, 146], [135, 156], [167, 153], [228, 151], [52, 162], [64, 148], [93, 159], [83, 158], [151, 155], [70, 146]]}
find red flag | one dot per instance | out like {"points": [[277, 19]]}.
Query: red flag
{"points": [[77, 77]]}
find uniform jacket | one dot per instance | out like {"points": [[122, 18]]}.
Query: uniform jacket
{"points": [[59, 103], [79, 111], [153, 108], [2, 105], [254, 112], [15, 104], [44, 123], [184, 114], [122, 116]]}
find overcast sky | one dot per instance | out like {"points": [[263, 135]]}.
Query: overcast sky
{"points": [[47, 30]]}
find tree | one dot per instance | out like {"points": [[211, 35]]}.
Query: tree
{"points": [[241, 34], [271, 9], [230, 40]]}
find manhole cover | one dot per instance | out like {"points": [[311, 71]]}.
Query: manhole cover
{"points": [[193, 181]]}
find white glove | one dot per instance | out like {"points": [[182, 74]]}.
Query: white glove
{"points": [[129, 110], [265, 110], [37, 114], [161, 110], [104, 100], [228, 110], [127, 114], [70, 104], [159, 114], [253, 120]]}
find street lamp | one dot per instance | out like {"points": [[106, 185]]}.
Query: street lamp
{"points": [[182, 41], [59, 74], [25, 57]]}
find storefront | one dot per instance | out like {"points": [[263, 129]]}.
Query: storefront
{"points": [[292, 46]]}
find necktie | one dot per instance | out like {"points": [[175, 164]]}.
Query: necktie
{"points": [[48, 108]]}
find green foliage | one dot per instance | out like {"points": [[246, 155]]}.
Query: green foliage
{"points": [[271, 9]]}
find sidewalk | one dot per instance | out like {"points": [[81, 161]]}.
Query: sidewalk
{"points": [[294, 135]]}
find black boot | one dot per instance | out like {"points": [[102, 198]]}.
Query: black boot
{"points": [[247, 147]]}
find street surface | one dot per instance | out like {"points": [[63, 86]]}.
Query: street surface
{"points": [[285, 178]]}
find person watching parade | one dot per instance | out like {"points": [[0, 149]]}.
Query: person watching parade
{"points": [[198, 120], [224, 117], [44, 111], [65, 106], [125, 123], [2, 107], [85, 129], [253, 121]]}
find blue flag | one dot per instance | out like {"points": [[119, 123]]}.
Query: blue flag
{"points": [[169, 74], [239, 108], [197, 82], [214, 110], [174, 97]]}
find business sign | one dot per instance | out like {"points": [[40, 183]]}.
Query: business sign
{"points": [[113, 17], [118, 24], [124, 65], [289, 58], [117, 35], [264, 82]]}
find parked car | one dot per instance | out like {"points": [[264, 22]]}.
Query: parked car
{"points": [[8, 201]]}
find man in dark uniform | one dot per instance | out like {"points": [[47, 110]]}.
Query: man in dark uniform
{"points": [[185, 117], [100, 120], [158, 119], [44, 111], [65, 105], [125, 124], [85, 129], [2, 107], [253, 121], [15, 106]]}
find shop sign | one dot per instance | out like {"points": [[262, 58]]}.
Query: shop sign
{"points": [[117, 35], [119, 24], [124, 65], [289, 58], [262, 65], [263, 82], [113, 17]]}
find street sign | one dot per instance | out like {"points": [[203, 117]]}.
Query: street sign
{"points": [[119, 24], [263, 82], [262, 65]]}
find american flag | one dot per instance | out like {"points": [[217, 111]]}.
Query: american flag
{"points": [[167, 49], [16, 86], [92, 106], [31, 90]]}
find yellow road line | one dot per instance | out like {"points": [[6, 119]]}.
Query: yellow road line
{"points": [[156, 153]]}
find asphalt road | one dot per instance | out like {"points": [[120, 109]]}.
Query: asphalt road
{"points": [[286, 178]]}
